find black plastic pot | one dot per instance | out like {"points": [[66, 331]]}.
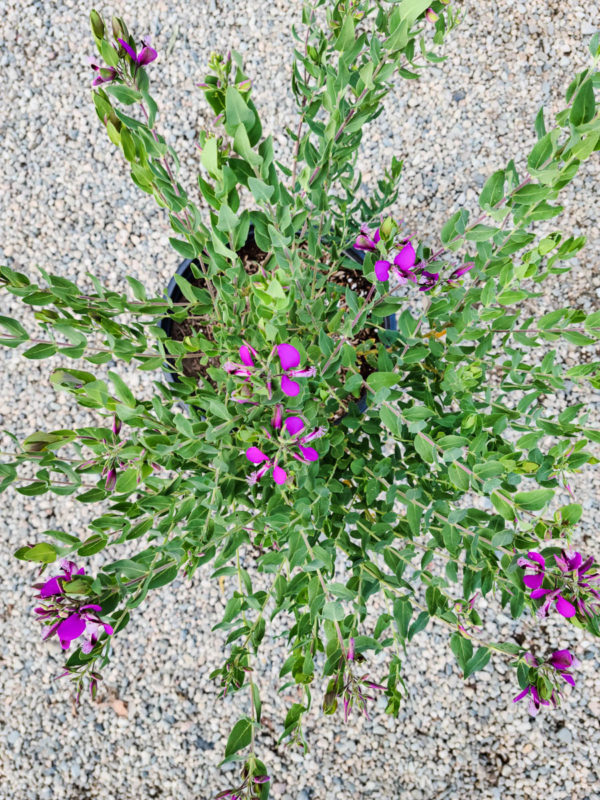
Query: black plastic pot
{"points": [[185, 270]]}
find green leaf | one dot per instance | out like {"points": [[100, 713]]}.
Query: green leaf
{"points": [[502, 538], [345, 38], [478, 661], [127, 481], [390, 420], [228, 221], [462, 649], [511, 296], [534, 500], [94, 544], [184, 249], [502, 506], [124, 94], [455, 227], [424, 449], [39, 351], [571, 514], [236, 111], [333, 611], [402, 614], [541, 152], [493, 190], [128, 144], [584, 105], [381, 380], [410, 10], [418, 625], [239, 738], [530, 194], [14, 327], [122, 391], [261, 191], [459, 477], [162, 577], [43, 553], [210, 157]]}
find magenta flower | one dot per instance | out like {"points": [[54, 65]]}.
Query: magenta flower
{"points": [[66, 617], [247, 366], [146, 55], [295, 426], [431, 15], [256, 456], [401, 268], [535, 701], [104, 74], [365, 241], [553, 596], [586, 593], [458, 273], [290, 360], [562, 661], [431, 280], [537, 564], [54, 585], [111, 479], [350, 653]]}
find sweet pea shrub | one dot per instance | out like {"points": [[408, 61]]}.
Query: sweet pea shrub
{"points": [[364, 417]]}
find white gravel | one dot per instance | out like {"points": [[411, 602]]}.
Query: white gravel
{"points": [[67, 205]]}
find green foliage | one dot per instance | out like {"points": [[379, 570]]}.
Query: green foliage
{"points": [[437, 460]]}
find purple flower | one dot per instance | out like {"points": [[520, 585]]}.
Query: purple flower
{"points": [[365, 241], [70, 622], [104, 74], [458, 273], [350, 653], [562, 661], [247, 366], [535, 701], [431, 280], [401, 268], [146, 55], [553, 596], [537, 564], [431, 15], [295, 426], [256, 456], [54, 586], [290, 360], [111, 479]]}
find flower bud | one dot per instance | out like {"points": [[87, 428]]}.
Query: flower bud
{"points": [[97, 24], [387, 229], [111, 480], [119, 28], [431, 15]]}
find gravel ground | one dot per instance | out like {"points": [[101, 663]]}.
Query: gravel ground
{"points": [[68, 206]]}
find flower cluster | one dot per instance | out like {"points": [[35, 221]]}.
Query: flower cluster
{"points": [[66, 616], [403, 266], [107, 74], [248, 790], [289, 359], [291, 436], [350, 689], [544, 679], [572, 586]]}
